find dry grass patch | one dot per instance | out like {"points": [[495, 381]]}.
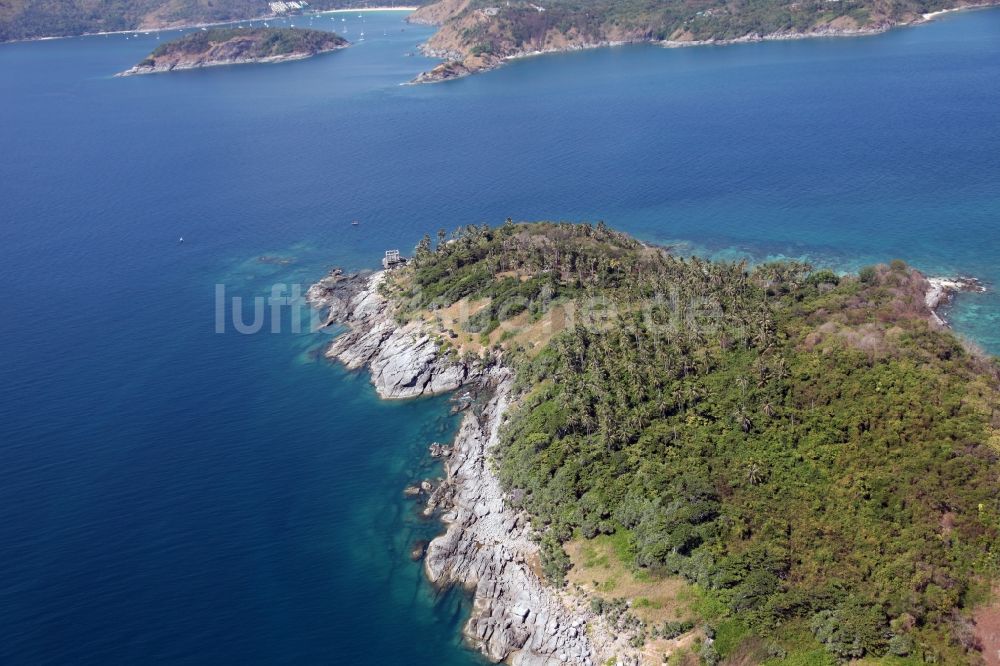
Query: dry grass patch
{"points": [[522, 329], [987, 628], [448, 323], [533, 335], [598, 569], [657, 651]]}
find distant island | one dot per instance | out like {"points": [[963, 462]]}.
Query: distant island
{"points": [[667, 460], [232, 46], [478, 35]]}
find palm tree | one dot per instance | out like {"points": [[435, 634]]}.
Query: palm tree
{"points": [[743, 418], [781, 369]]}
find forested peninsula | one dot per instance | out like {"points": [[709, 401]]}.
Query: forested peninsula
{"points": [[477, 35], [670, 459], [233, 46]]}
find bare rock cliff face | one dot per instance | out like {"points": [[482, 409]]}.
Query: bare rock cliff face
{"points": [[486, 546], [403, 360]]}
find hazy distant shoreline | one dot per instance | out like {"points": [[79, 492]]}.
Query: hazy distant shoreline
{"points": [[215, 24]]}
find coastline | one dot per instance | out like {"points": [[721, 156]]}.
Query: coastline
{"points": [[931, 15], [486, 546], [454, 67], [457, 65], [137, 70], [409, 8]]}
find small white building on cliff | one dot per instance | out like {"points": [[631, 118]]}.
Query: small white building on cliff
{"points": [[392, 259]]}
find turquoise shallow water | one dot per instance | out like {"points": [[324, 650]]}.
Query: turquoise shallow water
{"points": [[177, 495]]}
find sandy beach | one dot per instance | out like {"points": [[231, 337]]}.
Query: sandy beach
{"points": [[930, 15]]}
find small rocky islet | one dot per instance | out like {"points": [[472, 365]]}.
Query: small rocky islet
{"points": [[237, 46]]}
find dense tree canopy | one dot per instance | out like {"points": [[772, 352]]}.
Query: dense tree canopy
{"points": [[257, 42]]}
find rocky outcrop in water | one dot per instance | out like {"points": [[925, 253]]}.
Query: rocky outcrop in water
{"points": [[447, 70], [941, 291], [403, 359]]}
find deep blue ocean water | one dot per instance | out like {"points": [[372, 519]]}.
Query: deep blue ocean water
{"points": [[169, 494]]}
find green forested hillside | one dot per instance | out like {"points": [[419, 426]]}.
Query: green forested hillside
{"points": [[261, 42], [481, 33], [804, 447], [701, 19]]}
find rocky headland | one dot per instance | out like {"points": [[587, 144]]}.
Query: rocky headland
{"points": [[403, 360], [421, 330], [233, 46]]}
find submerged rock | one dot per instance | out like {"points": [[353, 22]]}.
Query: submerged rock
{"points": [[418, 550], [439, 450]]}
